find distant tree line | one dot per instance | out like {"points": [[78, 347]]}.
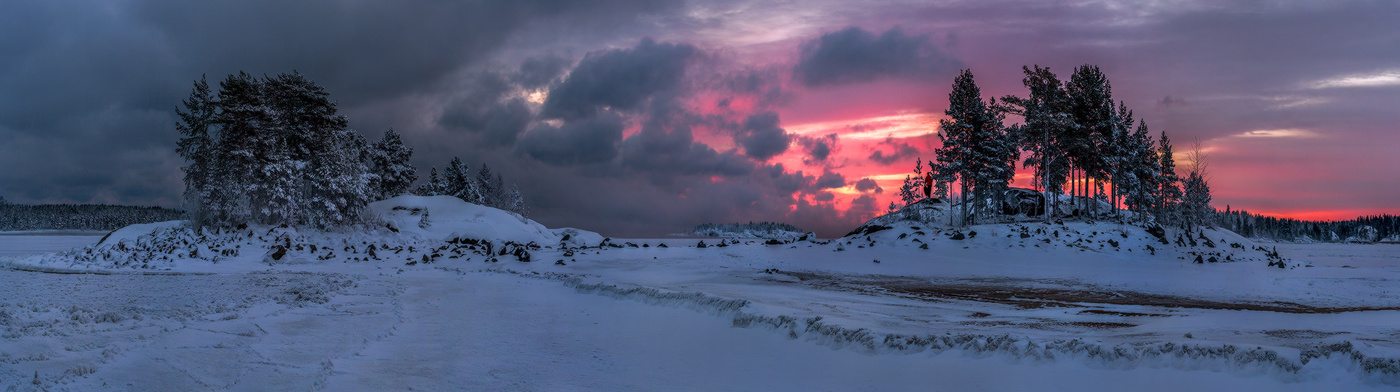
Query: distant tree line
{"points": [[1075, 136], [15, 217], [483, 188], [1362, 229], [713, 229]]}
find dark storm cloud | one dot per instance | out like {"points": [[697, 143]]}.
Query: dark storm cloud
{"points": [[88, 89], [618, 79], [540, 71], [818, 148], [855, 55], [485, 108], [861, 207], [868, 185], [587, 141], [899, 151], [362, 50], [761, 136], [676, 152], [789, 183], [830, 180]]}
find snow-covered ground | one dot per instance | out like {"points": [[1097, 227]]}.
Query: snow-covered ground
{"points": [[1061, 309]]}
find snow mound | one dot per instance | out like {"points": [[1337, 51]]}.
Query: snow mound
{"points": [[447, 217], [134, 232], [1202, 246], [577, 238]]}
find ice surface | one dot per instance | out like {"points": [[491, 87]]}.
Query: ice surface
{"points": [[1062, 308]]}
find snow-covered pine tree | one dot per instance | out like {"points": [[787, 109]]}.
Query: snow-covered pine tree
{"points": [[515, 201], [273, 151], [340, 193], [1145, 171], [974, 141], [1003, 150], [499, 191], [430, 187], [913, 187], [196, 146], [458, 181], [1118, 150], [234, 187], [1045, 131], [1169, 190], [1195, 200], [1195, 203], [390, 163], [486, 184], [1091, 105]]}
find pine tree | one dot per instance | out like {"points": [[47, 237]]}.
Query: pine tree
{"points": [[457, 181], [913, 186], [1169, 191], [1144, 173], [241, 158], [196, 146], [515, 201], [975, 145], [393, 173], [1195, 203], [486, 185], [430, 187], [271, 151], [1091, 105], [1045, 130]]}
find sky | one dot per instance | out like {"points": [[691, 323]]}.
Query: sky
{"points": [[647, 117]]}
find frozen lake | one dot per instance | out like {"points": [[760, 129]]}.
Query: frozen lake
{"points": [[29, 243], [686, 318]]}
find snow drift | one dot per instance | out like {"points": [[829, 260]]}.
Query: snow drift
{"points": [[447, 217]]}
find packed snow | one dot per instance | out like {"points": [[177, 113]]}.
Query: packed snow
{"points": [[482, 299]]}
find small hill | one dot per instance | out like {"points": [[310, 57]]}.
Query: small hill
{"points": [[411, 230], [925, 224]]}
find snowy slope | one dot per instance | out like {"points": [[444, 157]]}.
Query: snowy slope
{"points": [[450, 217]]}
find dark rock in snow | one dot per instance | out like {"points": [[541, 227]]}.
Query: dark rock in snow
{"points": [[277, 252], [1160, 233], [1022, 201], [867, 230]]}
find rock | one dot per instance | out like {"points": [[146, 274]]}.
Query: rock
{"points": [[1160, 233], [278, 252], [1022, 201], [868, 229]]}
